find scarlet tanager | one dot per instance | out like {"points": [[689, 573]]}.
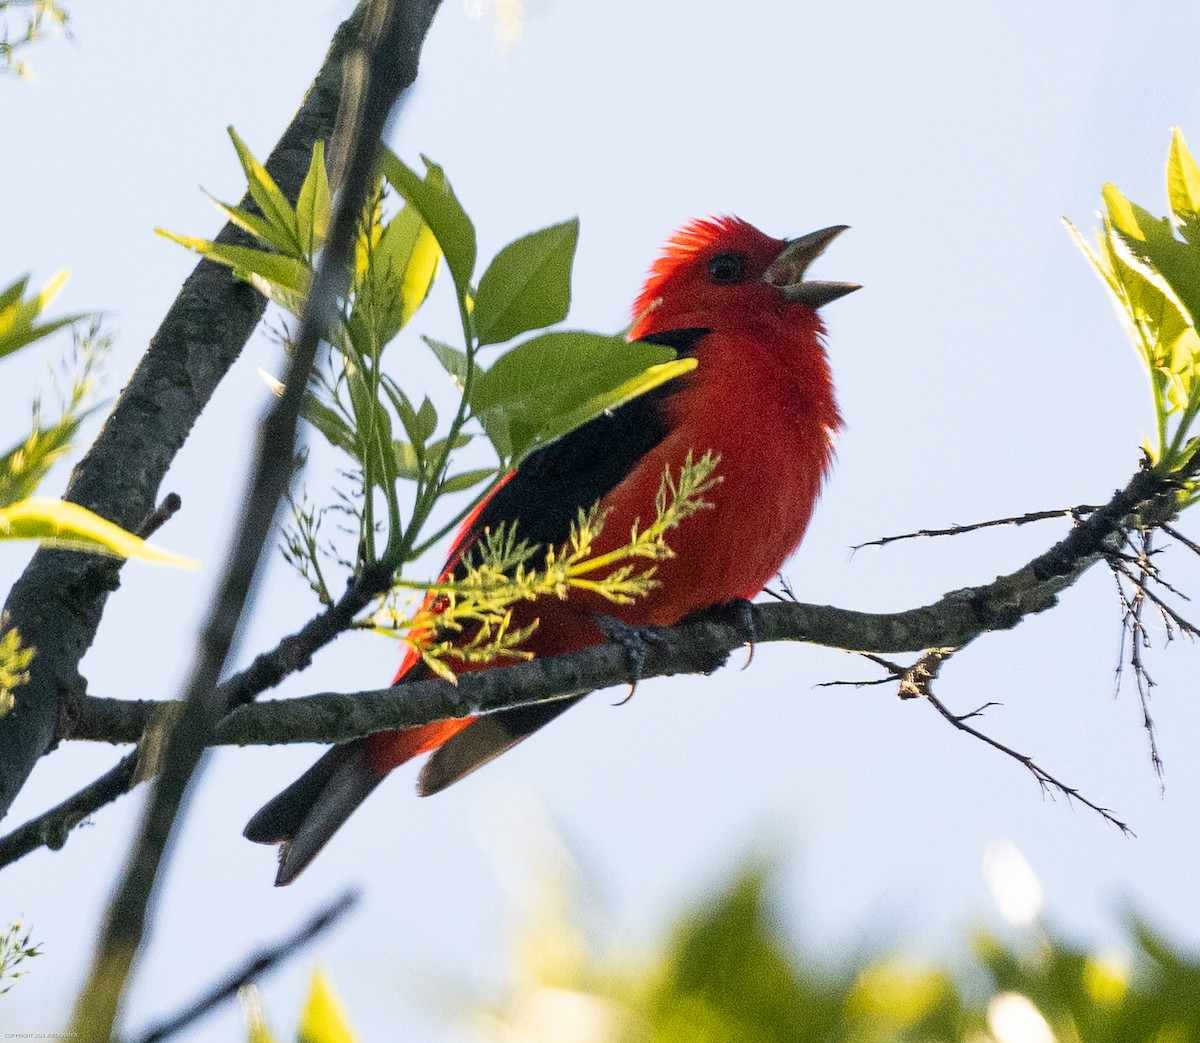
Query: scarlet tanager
{"points": [[761, 398]]}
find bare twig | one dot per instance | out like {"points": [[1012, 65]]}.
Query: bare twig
{"points": [[1078, 513], [1048, 782], [916, 682], [262, 962], [158, 517], [1176, 534], [1133, 625]]}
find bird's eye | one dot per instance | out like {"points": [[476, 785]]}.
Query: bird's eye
{"points": [[725, 269]]}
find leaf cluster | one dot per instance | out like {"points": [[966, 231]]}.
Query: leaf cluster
{"points": [[474, 608], [15, 948], [23, 515], [37, 19], [1151, 266], [402, 455]]}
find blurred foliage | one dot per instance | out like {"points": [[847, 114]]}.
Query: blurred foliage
{"points": [[1151, 266], [15, 948], [323, 1019], [729, 971], [403, 456], [24, 22]]}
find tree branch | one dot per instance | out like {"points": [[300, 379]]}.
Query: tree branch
{"points": [[57, 603], [697, 645], [252, 969]]}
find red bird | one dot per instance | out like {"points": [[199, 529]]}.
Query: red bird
{"points": [[761, 398]]}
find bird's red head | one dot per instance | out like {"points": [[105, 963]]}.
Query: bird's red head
{"points": [[723, 270]]}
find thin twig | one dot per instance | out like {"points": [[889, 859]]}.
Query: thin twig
{"points": [[1048, 782], [1139, 640], [1188, 628], [1176, 534], [1082, 511], [252, 969], [916, 681]]}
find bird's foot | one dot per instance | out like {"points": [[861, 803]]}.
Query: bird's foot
{"points": [[634, 639]]}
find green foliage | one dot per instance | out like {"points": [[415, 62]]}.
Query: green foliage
{"points": [[474, 619], [23, 466], [24, 22], [15, 949], [1151, 266], [15, 659], [24, 516], [19, 314], [402, 453], [729, 972]]}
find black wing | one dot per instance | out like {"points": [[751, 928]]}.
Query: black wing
{"points": [[543, 498]]}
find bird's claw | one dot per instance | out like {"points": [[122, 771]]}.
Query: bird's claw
{"points": [[634, 639]]}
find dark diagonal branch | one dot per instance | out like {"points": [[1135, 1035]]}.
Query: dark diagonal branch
{"points": [[57, 603], [252, 970], [380, 67]]}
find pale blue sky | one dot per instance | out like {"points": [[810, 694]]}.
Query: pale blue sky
{"points": [[981, 373]]}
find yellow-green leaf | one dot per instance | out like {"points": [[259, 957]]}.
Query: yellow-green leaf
{"points": [[67, 525], [313, 205], [287, 273], [1183, 177], [17, 316], [271, 201], [324, 1019]]}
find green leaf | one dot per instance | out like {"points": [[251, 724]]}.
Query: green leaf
{"points": [[549, 385], [67, 525], [330, 423], [426, 422], [1183, 187], [313, 204], [436, 202], [453, 361], [17, 315], [401, 267], [285, 273], [528, 284], [255, 224], [271, 201], [457, 483], [409, 466]]}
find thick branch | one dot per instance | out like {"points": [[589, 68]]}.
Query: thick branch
{"points": [[57, 603], [694, 646]]}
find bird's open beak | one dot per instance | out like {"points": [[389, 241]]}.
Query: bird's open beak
{"points": [[787, 270]]}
